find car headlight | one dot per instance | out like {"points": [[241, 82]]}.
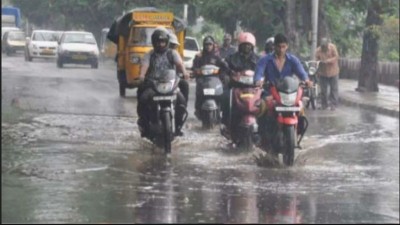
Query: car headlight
{"points": [[288, 99], [165, 88], [135, 59], [35, 46]]}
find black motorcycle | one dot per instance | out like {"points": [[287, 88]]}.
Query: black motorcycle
{"points": [[163, 108]]}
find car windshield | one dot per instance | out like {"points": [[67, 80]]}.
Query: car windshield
{"points": [[190, 44], [142, 36], [16, 36], [44, 36], [79, 38]]}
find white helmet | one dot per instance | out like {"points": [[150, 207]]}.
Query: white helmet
{"points": [[173, 39], [270, 40]]}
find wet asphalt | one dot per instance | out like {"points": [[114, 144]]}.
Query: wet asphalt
{"points": [[72, 153]]}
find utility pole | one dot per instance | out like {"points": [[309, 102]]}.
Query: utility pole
{"points": [[185, 12], [314, 21]]}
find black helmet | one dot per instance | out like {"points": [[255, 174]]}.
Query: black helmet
{"points": [[208, 40], [158, 36]]}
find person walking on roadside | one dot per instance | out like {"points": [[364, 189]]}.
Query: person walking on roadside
{"points": [[328, 73], [227, 48]]}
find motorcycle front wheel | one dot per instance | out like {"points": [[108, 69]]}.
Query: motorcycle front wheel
{"points": [[247, 141], [208, 119], [289, 143], [167, 132]]}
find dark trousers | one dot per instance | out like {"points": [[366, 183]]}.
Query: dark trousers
{"points": [[332, 84], [184, 87]]}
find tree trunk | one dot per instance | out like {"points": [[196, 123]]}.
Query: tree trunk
{"points": [[290, 25], [368, 75], [323, 28]]}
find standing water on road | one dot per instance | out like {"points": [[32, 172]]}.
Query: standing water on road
{"points": [[77, 168]]}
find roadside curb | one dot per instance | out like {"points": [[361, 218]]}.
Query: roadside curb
{"points": [[354, 103]]}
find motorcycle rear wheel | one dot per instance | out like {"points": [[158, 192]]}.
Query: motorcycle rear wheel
{"points": [[289, 145]]}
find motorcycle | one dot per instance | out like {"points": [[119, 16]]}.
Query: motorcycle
{"points": [[288, 123], [163, 107], [212, 90], [312, 95], [244, 106]]}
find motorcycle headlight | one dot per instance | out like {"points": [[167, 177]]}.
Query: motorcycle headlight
{"points": [[288, 99], [166, 87], [312, 71]]}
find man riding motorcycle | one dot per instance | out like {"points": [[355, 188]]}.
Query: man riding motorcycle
{"points": [[274, 67], [243, 59], [161, 57], [206, 57], [268, 46]]}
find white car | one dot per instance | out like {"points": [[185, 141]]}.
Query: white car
{"points": [[42, 44], [191, 49], [78, 47], [5, 29]]}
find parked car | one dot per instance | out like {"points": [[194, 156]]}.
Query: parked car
{"points": [[191, 49], [78, 47], [13, 41], [42, 44], [5, 29]]}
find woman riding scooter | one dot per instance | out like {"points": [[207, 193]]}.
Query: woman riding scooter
{"points": [[206, 57]]}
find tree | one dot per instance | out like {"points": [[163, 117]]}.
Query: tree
{"points": [[368, 78]]}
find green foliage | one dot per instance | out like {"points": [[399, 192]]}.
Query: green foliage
{"points": [[345, 18]]}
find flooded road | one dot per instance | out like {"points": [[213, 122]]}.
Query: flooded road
{"points": [[72, 153]]}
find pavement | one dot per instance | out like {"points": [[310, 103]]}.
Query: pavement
{"points": [[386, 101]]}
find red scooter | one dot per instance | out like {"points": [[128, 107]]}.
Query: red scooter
{"points": [[244, 106], [286, 123]]}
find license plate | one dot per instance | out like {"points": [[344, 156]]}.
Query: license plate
{"points": [[246, 80], [287, 109], [79, 57], [164, 98], [47, 52], [209, 91]]}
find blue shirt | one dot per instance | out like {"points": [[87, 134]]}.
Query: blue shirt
{"points": [[267, 65]]}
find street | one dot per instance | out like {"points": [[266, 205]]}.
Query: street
{"points": [[72, 153]]}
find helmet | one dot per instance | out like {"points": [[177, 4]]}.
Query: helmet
{"points": [[270, 40], [173, 39], [157, 36], [269, 45], [247, 37], [208, 40]]}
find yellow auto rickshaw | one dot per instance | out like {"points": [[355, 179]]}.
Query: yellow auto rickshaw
{"points": [[108, 49], [132, 34]]}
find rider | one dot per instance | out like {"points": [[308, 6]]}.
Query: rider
{"points": [[183, 84], [207, 56], [244, 59], [276, 66], [268, 47], [227, 48], [161, 57], [280, 64]]}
